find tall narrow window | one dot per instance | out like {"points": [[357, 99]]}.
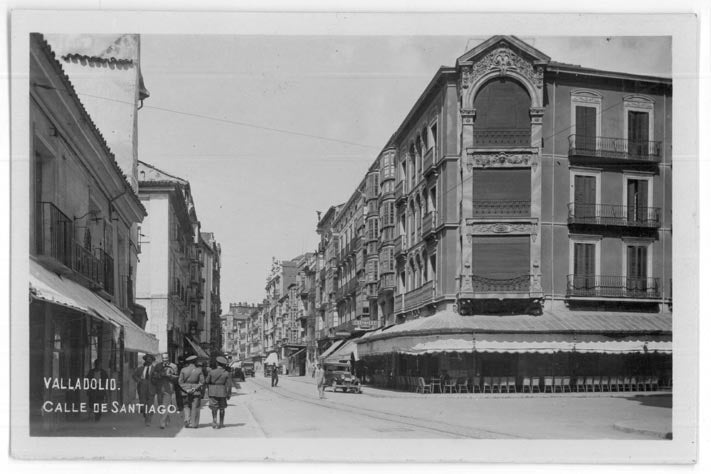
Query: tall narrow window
{"points": [[585, 128], [638, 132], [584, 266], [636, 268], [585, 196], [637, 200]]}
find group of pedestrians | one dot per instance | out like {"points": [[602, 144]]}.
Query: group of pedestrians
{"points": [[164, 381]]}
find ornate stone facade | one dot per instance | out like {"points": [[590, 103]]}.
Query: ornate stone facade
{"points": [[502, 60]]}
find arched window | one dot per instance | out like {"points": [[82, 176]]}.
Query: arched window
{"points": [[502, 114]]}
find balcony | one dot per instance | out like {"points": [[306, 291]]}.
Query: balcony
{"points": [[619, 287], [501, 208], [419, 297], [614, 215], [501, 138], [517, 284], [615, 149], [428, 162], [387, 283], [371, 289], [397, 248], [399, 194], [54, 234], [429, 222]]}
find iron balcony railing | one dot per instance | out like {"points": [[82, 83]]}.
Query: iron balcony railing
{"points": [[614, 148], [54, 233], [86, 264], [418, 297], [512, 284], [614, 215], [107, 267], [606, 286], [494, 138], [501, 208]]}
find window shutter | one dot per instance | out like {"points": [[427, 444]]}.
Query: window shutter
{"points": [[501, 257]]}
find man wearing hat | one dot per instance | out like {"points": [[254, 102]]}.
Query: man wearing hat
{"points": [[191, 381], [164, 375], [145, 386], [219, 389]]}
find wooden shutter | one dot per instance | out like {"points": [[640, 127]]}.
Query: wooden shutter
{"points": [[505, 185], [584, 263], [501, 257], [637, 199], [585, 127], [638, 132]]}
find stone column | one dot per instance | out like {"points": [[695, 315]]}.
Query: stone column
{"points": [[536, 195], [466, 198]]}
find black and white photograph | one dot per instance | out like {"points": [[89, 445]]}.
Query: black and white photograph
{"points": [[326, 237]]}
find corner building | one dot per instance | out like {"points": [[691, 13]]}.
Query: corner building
{"points": [[524, 212]]}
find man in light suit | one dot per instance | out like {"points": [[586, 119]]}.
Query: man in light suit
{"points": [[146, 389]]}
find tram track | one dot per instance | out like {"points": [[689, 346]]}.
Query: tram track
{"points": [[457, 431]]}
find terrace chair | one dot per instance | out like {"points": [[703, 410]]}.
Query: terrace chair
{"points": [[423, 387], [557, 384], [580, 384], [526, 384], [463, 384], [566, 384], [654, 383], [535, 384], [589, 383], [450, 385], [547, 384], [626, 383], [614, 383], [476, 384], [510, 384], [633, 384], [604, 383], [413, 383], [487, 383], [596, 383], [646, 382], [503, 384]]}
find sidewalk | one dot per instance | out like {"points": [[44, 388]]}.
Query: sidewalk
{"points": [[118, 425], [391, 393]]}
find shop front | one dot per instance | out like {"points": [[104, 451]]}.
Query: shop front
{"points": [[520, 350]]}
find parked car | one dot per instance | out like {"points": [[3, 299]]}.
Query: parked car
{"points": [[248, 369], [338, 377]]}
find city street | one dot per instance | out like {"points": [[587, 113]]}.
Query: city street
{"points": [[293, 409]]}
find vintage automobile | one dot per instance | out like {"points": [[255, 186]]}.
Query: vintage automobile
{"points": [[237, 373], [248, 369], [338, 376]]}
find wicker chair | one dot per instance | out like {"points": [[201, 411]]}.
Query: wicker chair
{"points": [[510, 384], [535, 384], [565, 384], [487, 383], [526, 384], [476, 384], [449, 386], [547, 383], [580, 384], [463, 385], [423, 387]]}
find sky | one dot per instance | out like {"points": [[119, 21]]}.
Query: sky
{"points": [[271, 129]]}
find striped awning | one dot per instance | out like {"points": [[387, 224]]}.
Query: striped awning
{"points": [[331, 349], [50, 287], [199, 351], [343, 353], [515, 343]]}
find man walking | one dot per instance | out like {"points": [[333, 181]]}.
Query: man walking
{"points": [[320, 381], [191, 382], [275, 375], [219, 390], [165, 375], [95, 395], [145, 387]]}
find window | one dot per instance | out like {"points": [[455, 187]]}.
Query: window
{"points": [[637, 197], [585, 262], [432, 133], [503, 192], [636, 266], [502, 114], [586, 106], [501, 257], [639, 124]]}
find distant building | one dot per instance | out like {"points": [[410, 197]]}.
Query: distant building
{"points": [[234, 330], [169, 281], [209, 323]]}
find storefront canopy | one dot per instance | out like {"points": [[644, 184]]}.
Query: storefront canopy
{"points": [[50, 287], [584, 331], [343, 353], [515, 343], [327, 353], [199, 351]]}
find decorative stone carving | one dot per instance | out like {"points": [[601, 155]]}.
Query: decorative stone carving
{"points": [[468, 116], [501, 160], [466, 76], [503, 59], [501, 228], [537, 115], [466, 284], [536, 286]]}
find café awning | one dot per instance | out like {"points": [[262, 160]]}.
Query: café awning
{"points": [[52, 288], [516, 343], [343, 353], [332, 348]]}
